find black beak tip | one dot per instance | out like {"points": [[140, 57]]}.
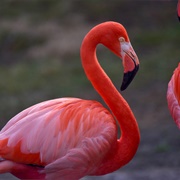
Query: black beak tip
{"points": [[128, 77]]}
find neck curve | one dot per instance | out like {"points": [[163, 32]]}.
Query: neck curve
{"points": [[127, 145]]}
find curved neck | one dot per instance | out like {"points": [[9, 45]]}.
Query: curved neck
{"points": [[127, 145]]}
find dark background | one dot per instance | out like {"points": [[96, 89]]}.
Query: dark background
{"points": [[39, 60]]}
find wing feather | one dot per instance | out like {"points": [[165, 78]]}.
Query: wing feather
{"points": [[79, 162], [63, 132]]}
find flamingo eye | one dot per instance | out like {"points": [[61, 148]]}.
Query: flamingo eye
{"points": [[121, 39]]}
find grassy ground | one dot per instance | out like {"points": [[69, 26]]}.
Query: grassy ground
{"points": [[39, 60]]}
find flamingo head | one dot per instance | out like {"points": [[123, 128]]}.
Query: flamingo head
{"points": [[178, 10], [117, 40]]}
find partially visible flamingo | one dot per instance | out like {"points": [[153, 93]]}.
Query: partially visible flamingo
{"points": [[173, 92], [69, 138], [178, 10], [173, 96]]}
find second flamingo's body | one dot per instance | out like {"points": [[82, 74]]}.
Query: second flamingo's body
{"points": [[69, 138], [173, 96], [173, 92]]}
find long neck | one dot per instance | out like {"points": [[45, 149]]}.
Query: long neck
{"points": [[126, 146]]}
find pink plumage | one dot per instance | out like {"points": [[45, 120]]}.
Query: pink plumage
{"points": [[173, 96], [56, 130]]}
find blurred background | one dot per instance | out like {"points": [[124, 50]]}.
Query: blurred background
{"points": [[39, 60]]}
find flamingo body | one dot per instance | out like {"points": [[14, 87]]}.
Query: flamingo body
{"points": [[68, 138], [71, 139], [173, 92], [173, 96]]}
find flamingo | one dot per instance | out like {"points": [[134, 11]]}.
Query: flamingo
{"points": [[178, 10], [173, 92], [173, 96], [69, 138]]}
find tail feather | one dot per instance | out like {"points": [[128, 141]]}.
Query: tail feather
{"points": [[21, 171]]}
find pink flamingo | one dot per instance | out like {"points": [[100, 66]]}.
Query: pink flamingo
{"points": [[173, 96], [178, 9], [173, 92], [69, 138]]}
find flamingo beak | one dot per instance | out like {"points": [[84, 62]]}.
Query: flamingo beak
{"points": [[130, 63]]}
